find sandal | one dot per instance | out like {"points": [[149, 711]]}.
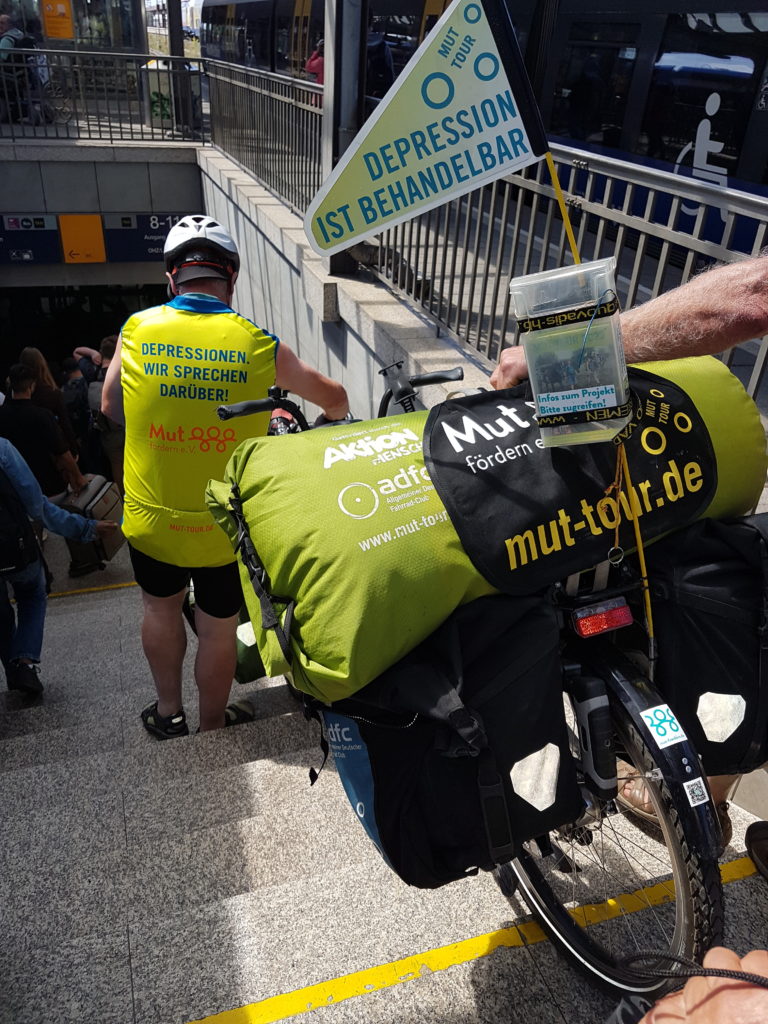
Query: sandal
{"points": [[634, 798], [164, 727], [238, 712]]}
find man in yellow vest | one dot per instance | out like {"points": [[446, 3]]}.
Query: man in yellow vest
{"points": [[174, 365]]}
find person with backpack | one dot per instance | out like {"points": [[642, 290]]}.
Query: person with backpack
{"points": [[74, 392], [379, 67], [107, 437], [21, 85], [22, 567]]}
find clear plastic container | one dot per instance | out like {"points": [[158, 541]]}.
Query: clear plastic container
{"points": [[568, 320]]}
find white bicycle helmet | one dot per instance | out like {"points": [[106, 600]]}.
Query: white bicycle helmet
{"points": [[198, 234]]}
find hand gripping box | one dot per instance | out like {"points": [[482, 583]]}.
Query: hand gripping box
{"points": [[99, 500]]}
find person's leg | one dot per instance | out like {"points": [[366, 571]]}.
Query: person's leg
{"points": [[214, 666], [27, 639], [218, 598], [164, 639], [7, 626]]}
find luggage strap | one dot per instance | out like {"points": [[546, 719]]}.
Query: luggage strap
{"points": [[762, 632], [245, 549], [468, 724]]}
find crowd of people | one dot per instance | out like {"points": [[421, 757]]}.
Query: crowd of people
{"points": [[51, 445]]}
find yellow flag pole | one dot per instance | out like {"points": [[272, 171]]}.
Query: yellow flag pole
{"points": [[623, 454], [563, 208]]}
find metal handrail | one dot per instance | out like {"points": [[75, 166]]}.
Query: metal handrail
{"points": [[271, 125], [457, 262], [79, 94]]}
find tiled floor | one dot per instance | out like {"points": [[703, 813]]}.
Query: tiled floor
{"points": [[150, 883]]}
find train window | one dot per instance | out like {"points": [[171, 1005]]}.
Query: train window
{"points": [[401, 32], [592, 83], [299, 26], [703, 87]]}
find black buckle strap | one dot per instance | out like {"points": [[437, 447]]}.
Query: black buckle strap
{"points": [[498, 830], [247, 552]]}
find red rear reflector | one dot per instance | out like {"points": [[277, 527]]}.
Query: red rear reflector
{"points": [[601, 618]]}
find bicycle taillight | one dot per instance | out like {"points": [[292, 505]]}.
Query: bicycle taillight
{"points": [[602, 618]]}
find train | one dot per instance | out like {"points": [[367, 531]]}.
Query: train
{"points": [[656, 82]]}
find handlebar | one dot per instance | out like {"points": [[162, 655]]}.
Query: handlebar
{"points": [[277, 399], [403, 389], [420, 380]]}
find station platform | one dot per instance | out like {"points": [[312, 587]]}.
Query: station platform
{"points": [[148, 882]]}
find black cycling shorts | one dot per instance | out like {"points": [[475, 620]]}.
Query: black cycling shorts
{"points": [[217, 590]]}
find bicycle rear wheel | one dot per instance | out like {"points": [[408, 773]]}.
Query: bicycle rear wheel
{"points": [[57, 102], [610, 888]]}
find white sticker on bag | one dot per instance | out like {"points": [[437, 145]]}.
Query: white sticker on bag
{"points": [[663, 725], [696, 792]]}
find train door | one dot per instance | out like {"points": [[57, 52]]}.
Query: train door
{"points": [[703, 114], [586, 94], [299, 25]]}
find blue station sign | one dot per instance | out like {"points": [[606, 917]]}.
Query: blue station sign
{"points": [[29, 238], [137, 238]]}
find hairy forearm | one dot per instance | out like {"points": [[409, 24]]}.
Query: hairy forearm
{"points": [[712, 312]]}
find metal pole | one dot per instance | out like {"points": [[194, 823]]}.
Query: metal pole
{"points": [[346, 37], [175, 33]]}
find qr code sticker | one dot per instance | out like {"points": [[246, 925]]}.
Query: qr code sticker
{"points": [[664, 727], [696, 792]]}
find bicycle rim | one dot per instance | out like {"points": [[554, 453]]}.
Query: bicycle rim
{"points": [[632, 888]]}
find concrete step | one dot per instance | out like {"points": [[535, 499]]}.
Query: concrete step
{"points": [[125, 838], [196, 961], [75, 725]]}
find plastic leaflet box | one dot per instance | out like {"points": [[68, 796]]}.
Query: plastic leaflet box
{"points": [[568, 321]]}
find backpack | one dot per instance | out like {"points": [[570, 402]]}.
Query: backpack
{"points": [[709, 596], [98, 420], [75, 395], [18, 543], [380, 73], [459, 753], [26, 64]]}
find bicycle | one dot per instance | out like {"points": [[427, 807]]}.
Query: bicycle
{"points": [[606, 886]]}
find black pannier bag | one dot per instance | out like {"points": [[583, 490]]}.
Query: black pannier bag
{"points": [[709, 590], [459, 752]]}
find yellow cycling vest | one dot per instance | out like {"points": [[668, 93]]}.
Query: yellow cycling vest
{"points": [[180, 362]]}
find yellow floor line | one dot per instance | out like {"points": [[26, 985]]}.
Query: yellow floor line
{"points": [[91, 590], [373, 979]]}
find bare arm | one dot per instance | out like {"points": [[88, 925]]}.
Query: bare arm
{"points": [[295, 375], [69, 469], [83, 352], [112, 392], [712, 312]]}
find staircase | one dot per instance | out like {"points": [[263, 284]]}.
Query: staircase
{"points": [[147, 882]]}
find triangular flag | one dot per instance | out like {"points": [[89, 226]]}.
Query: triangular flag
{"points": [[460, 114]]}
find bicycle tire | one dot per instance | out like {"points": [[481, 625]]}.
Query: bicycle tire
{"points": [[59, 108], [698, 901]]}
